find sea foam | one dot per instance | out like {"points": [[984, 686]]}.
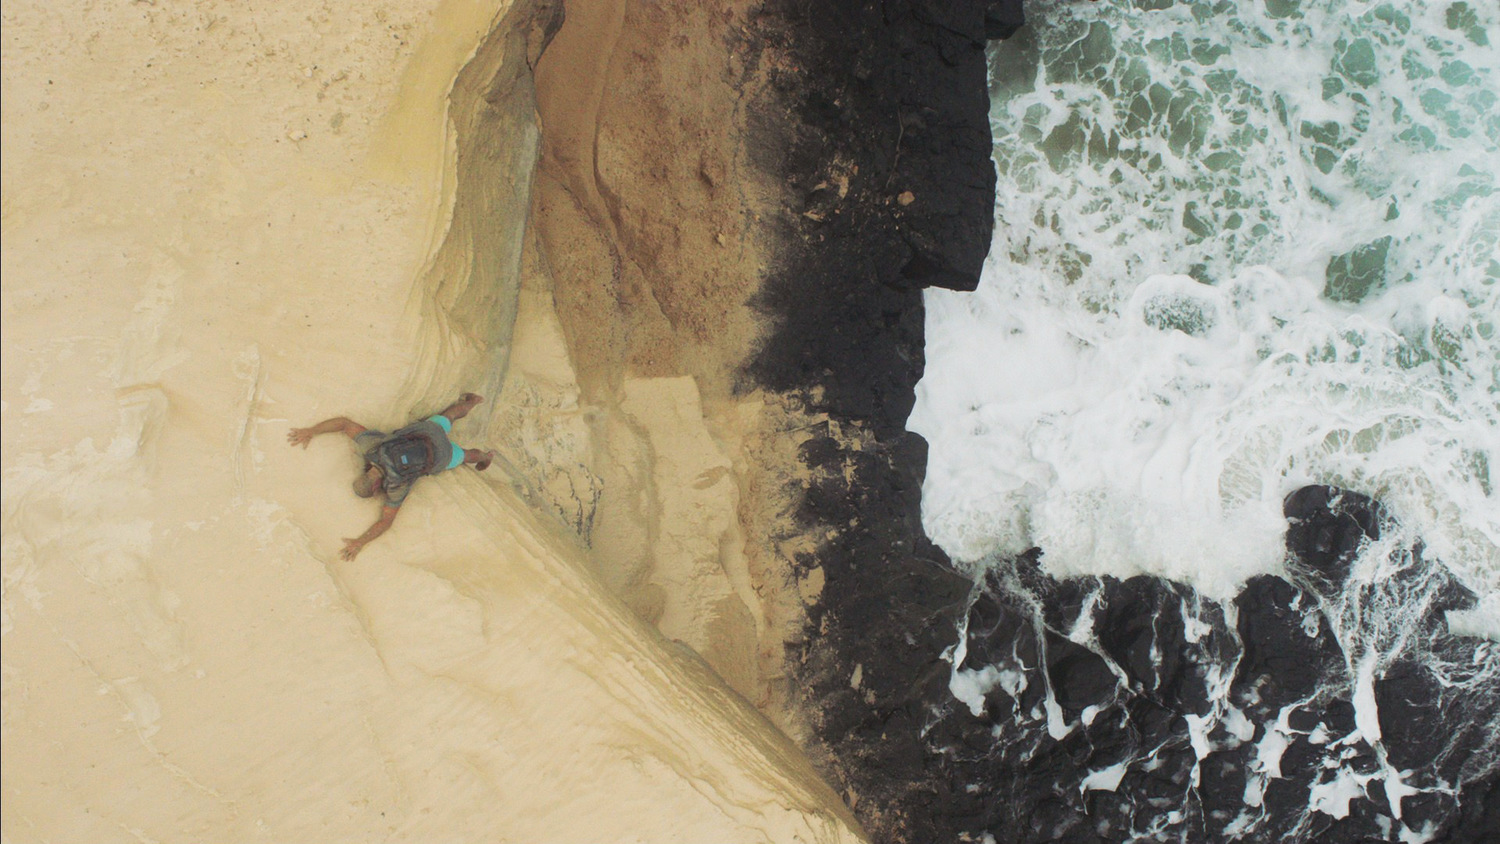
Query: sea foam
{"points": [[1238, 250]]}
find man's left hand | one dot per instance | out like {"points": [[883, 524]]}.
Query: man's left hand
{"points": [[352, 547]]}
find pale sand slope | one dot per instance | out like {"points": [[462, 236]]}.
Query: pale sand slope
{"points": [[644, 254], [222, 219]]}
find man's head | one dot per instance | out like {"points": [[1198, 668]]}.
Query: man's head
{"points": [[368, 483]]}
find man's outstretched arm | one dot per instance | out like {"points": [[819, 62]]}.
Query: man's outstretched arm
{"points": [[352, 547], [336, 425]]}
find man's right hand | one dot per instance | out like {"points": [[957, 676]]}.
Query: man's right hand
{"points": [[303, 436]]}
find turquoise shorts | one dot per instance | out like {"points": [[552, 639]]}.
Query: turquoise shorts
{"points": [[447, 425]]}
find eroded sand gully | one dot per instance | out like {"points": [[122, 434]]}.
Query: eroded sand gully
{"points": [[645, 251], [213, 218]]}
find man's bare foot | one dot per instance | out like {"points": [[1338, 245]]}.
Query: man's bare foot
{"points": [[484, 463], [461, 408]]}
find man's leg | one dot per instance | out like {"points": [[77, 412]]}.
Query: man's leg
{"points": [[478, 459], [461, 408]]}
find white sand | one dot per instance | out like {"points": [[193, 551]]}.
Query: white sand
{"points": [[221, 220]]}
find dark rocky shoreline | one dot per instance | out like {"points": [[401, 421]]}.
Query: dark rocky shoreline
{"points": [[877, 120], [1184, 706]]}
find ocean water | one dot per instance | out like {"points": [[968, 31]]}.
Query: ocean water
{"points": [[1240, 248]]}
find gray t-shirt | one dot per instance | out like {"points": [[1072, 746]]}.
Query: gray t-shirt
{"points": [[446, 455]]}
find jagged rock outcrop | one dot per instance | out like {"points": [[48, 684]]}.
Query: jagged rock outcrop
{"points": [[1094, 709], [876, 116]]}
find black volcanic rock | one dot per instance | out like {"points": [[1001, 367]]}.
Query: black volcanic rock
{"points": [[1205, 703], [1147, 609], [1478, 813], [1281, 657], [1003, 19], [1177, 704], [1079, 677], [1326, 527], [876, 120]]}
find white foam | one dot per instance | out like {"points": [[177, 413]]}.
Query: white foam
{"points": [[1093, 399], [970, 686], [1419, 836], [1331, 796], [1058, 726], [1366, 713], [1272, 745], [1163, 347], [1481, 621], [1107, 779]]}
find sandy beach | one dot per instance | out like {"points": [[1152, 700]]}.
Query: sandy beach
{"points": [[225, 220]]}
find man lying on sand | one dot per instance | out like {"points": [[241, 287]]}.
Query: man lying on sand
{"points": [[393, 462]]}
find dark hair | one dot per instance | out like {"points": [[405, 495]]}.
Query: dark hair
{"points": [[368, 482]]}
